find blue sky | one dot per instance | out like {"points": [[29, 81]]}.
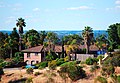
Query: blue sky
{"points": [[59, 14]]}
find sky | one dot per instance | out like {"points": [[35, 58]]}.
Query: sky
{"points": [[59, 14]]}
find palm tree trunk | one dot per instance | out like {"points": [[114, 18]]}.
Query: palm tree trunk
{"points": [[87, 49], [11, 53], [20, 43]]}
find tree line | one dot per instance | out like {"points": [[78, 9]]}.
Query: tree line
{"points": [[17, 41]]}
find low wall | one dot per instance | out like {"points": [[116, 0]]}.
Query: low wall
{"points": [[83, 57]]}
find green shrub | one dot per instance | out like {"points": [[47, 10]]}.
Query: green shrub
{"points": [[115, 61], [51, 56], [60, 61], [91, 61], [3, 64], [52, 64], [68, 63], [37, 73], [29, 70], [100, 79], [108, 70], [71, 70], [42, 64], [107, 62], [66, 58], [1, 71], [1, 60], [118, 79], [29, 80], [94, 68]]}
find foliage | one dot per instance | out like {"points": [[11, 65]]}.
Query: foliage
{"points": [[52, 38], [51, 56], [29, 71], [1, 60], [100, 79], [87, 34], [102, 41], [94, 68], [3, 64], [91, 61], [60, 61], [68, 63], [72, 39], [31, 38], [37, 73], [118, 79], [107, 70], [66, 58], [42, 64], [115, 78], [20, 23], [1, 71], [43, 35], [52, 64], [71, 70], [114, 35], [29, 80], [17, 59], [100, 57], [115, 61]]}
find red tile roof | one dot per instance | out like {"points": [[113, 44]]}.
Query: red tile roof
{"points": [[57, 48], [34, 49]]}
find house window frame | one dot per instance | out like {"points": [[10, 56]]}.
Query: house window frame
{"points": [[28, 55], [36, 54]]}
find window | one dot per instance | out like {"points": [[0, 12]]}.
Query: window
{"points": [[37, 61], [28, 55], [36, 54]]}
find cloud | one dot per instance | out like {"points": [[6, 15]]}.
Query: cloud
{"points": [[10, 19], [118, 7], [17, 7], [79, 8], [109, 9], [117, 2], [28, 16], [36, 9]]}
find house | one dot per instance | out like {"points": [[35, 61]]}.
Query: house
{"points": [[37, 54]]}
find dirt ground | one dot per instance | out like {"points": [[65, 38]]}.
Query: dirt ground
{"points": [[44, 76]]}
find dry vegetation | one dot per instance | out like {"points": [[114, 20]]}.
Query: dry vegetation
{"points": [[45, 76]]}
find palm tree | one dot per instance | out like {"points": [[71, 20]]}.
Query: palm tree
{"points": [[102, 41], [42, 34], [20, 23], [52, 39], [10, 44], [87, 34]]}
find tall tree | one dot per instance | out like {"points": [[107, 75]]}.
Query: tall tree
{"points": [[10, 44], [102, 41], [52, 37], [20, 23], [114, 35], [31, 38], [2, 38], [14, 35], [42, 34], [72, 38], [88, 36]]}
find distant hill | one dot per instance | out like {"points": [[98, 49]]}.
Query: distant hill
{"points": [[63, 33]]}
